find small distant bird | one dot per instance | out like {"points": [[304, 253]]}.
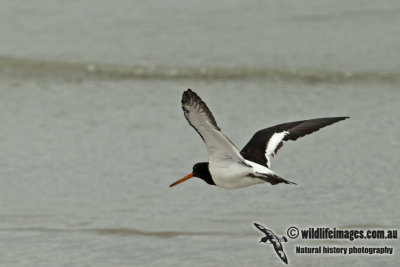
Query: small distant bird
{"points": [[274, 240], [227, 167]]}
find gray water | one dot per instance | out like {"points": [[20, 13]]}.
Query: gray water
{"points": [[92, 132]]}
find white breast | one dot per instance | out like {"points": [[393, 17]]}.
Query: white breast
{"points": [[233, 175]]}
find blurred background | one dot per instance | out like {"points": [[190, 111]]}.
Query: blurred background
{"points": [[92, 132]]}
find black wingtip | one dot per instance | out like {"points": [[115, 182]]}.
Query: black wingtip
{"points": [[189, 91], [258, 226], [281, 180], [341, 118], [190, 98], [187, 95], [335, 119]]}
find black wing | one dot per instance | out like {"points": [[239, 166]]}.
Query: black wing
{"points": [[266, 231], [279, 250], [266, 143]]}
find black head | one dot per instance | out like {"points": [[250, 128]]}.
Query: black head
{"points": [[200, 170]]}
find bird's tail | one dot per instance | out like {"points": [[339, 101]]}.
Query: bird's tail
{"points": [[275, 179], [285, 181]]}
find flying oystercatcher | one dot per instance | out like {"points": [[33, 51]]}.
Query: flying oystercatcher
{"points": [[227, 167]]}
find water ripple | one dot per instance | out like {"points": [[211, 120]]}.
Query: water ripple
{"points": [[124, 232], [68, 70]]}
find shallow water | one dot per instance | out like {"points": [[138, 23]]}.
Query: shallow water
{"points": [[92, 132]]}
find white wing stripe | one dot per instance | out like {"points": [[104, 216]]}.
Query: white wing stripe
{"points": [[272, 144]]}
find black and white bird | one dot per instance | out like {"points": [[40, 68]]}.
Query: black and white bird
{"points": [[271, 238], [227, 167]]}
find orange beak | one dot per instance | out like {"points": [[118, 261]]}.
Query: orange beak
{"points": [[187, 177]]}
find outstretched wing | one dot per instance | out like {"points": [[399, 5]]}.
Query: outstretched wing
{"points": [[198, 115], [279, 250], [266, 231], [260, 227], [266, 143]]}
